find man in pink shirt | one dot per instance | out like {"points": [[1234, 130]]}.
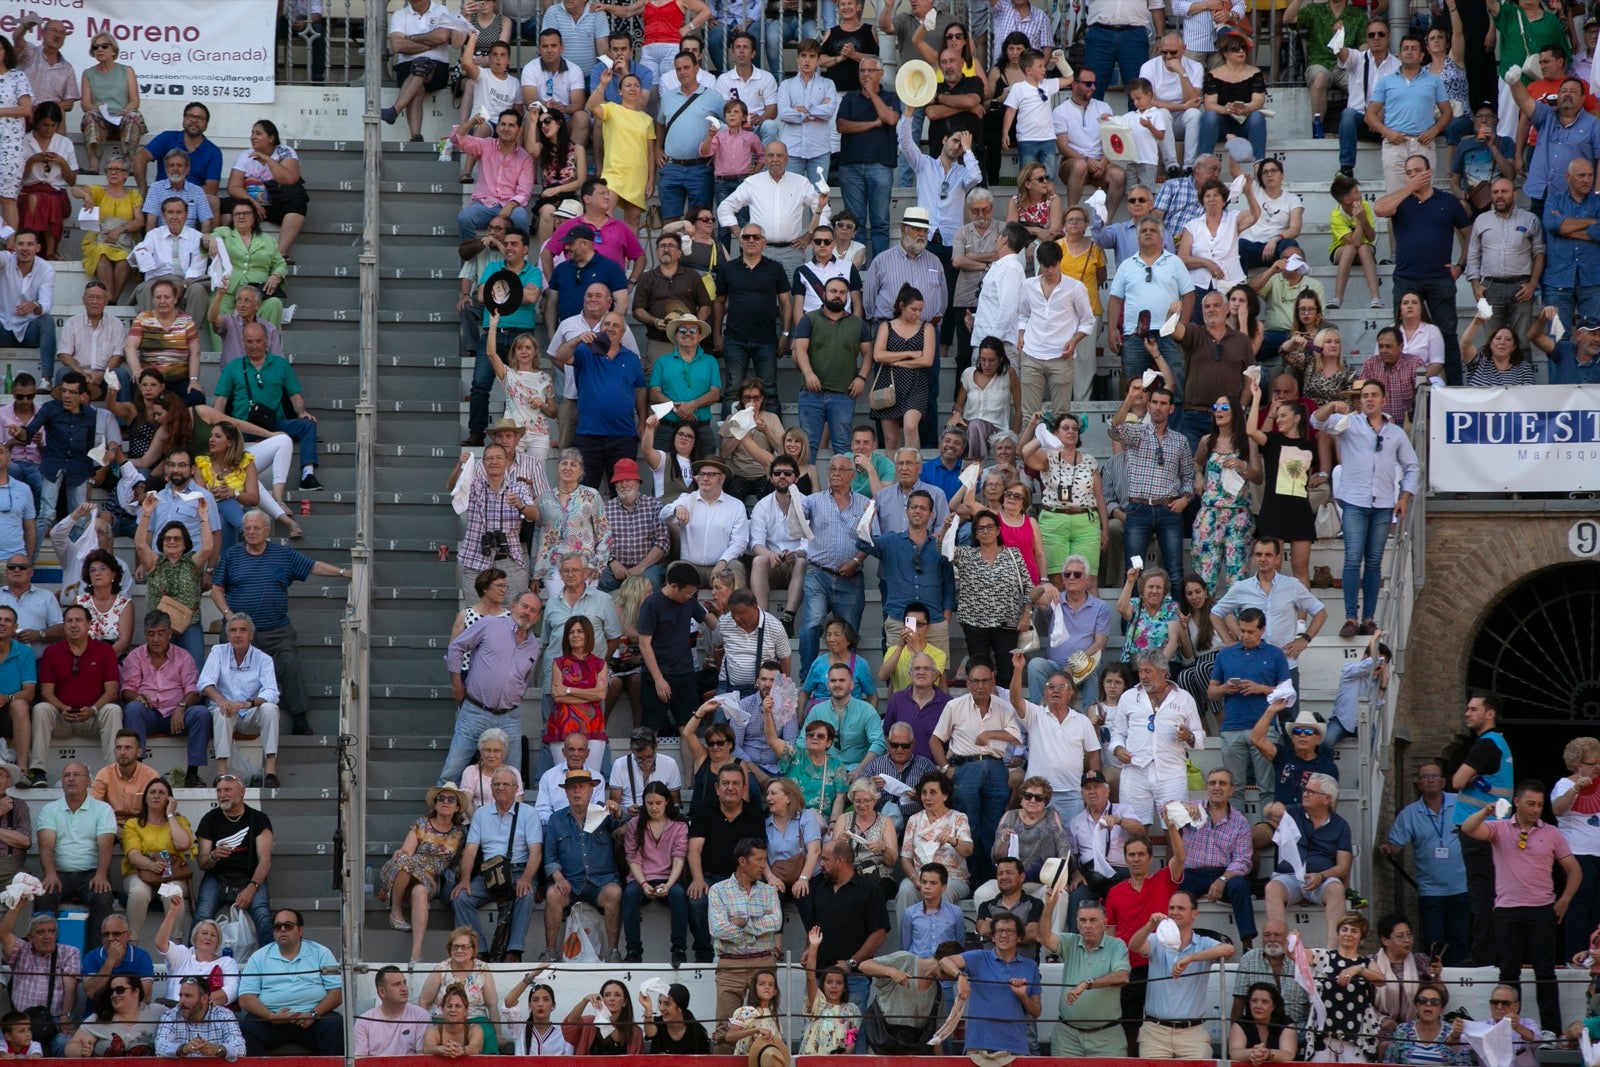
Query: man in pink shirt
{"points": [[506, 178], [18, 413], [395, 1026], [161, 694], [1526, 908], [614, 238]]}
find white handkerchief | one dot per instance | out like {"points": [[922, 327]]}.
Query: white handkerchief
{"points": [[1147, 377], [1502, 808], [714, 122], [144, 259], [1512, 75], [1587, 1049], [661, 410], [1267, 112], [1047, 440], [1493, 1042], [1287, 838], [1557, 329], [1236, 186], [1014, 847], [1029, 643], [1097, 201], [98, 454], [217, 272], [1136, 562], [1168, 934], [191, 496], [894, 786], [605, 61], [89, 220], [653, 987], [969, 475], [463, 489], [864, 527], [1336, 42], [112, 117], [594, 817], [1284, 693], [1339, 424], [233, 840], [741, 423], [169, 889], [602, 1021], [930, 20], [947, 543], [1058, 625], [129, 486], [733, 709], [1253, 373], [1168, 328], [1178, 815], [1484, 310], [925, 849], [288, 313], [1232, 481], [822, 187]]}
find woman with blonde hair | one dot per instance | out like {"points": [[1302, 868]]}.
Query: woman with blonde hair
{"points": [[872, 833], [1575, 800], [1036, 204], [109, 89]]}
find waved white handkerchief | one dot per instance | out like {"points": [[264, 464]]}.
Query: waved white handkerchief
{"points": [[1168, 328], [1512, 75], [661, 410], [947, 543], [1338, 424], [1136, 562], [1097, 855], [463, 490], [1097, 201], [1253, 373], [602, 1021], [89, 220], [1502, 808], [653, 987], [1029, 643], [714, 122], [822, 187], [1058, 625], [925, 849], [1587, 1049], [233, 840], [169, 889], [129, 486], [930, 21], [1177, 814], [1336, 42], [1014, 847], [288, 313], [1558, 329], [1284, 692], [113, 381], [1236, 186], [1232, 481], [733, 709], [594, 817], [1484, 310], [191, 497], [864, 527], [98, 454], [605, 61], [741, 423], [894, 786], [1287, 838], [1147, 377], [969, 476], [1493, 1042], [1047, 440], [1168, 934]]}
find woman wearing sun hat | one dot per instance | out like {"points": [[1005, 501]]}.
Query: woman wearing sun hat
{"points": [[413, 871]]}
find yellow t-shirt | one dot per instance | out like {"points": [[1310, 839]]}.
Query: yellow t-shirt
{"points": [[902, 668], [1086, 269], [151, 840], [1342, 226]]}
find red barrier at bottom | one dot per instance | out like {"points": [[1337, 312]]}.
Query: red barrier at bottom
{"points": [[676, 1061]]}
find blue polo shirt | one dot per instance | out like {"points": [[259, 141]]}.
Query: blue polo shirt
{"points": [[1319, 846], [1567, 369], [1425, 235], [18, 669], [16, 508], [1169, 281], [290, 985], [647, 80], [995, 1019], [1408, 103], [1435, 847], [570, 280], [608, 384], [136, 963], [934, 472], [1183, 997], [1265, 665], [683, 137]]}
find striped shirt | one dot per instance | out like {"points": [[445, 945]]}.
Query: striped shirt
{"points": [[1158, 465], [217, 1026], [1035, 26], [258, 583], [760, 908], [893, 268], [833, 529], [635, 532], [1225, 844], [740, 659]]}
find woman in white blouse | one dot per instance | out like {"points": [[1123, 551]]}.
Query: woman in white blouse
{"points": [[1418, 335], [1209, 245], [989, 398], [1277, 228]]}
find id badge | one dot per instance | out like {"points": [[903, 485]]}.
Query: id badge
{"points": [[1440, 852]]}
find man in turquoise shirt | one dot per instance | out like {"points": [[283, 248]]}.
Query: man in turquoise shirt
{"points": [[19, 677], [858, 729], [290, 992]]}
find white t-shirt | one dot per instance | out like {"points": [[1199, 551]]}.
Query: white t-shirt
{"points": [[1166, 84], [495, 95], [181, 964], [756, 94], [1581, 824], [557, 85], [407, 21], [1032, 104], [1145, 147], [1274, 217], [1081, 125], [627, 776]]}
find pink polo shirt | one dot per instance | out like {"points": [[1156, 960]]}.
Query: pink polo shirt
{"points": [[1523, 876], [502, 179]]}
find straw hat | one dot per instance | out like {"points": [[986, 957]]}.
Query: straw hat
{"points": [[451, 788], [915, 83]]}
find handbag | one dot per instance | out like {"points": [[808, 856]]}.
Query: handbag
{"points": [[180, 615], [258, 414], [882, 396], [1479, 197], [181, 872], [40, 1019], [789, 871], [496, 871]]}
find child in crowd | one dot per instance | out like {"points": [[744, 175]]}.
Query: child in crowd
{"points": [[1354, 231], [1028, 123], [734, 151], [1151, 126], [18, 1031], [834, 1018]]}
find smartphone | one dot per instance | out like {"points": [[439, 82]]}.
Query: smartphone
{"points": [[1436, 950], [911, 623]]}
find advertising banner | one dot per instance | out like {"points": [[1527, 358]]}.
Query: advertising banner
{"points": [[1534, 438]]}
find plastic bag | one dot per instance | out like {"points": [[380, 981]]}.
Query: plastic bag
{"points": [[238, 933], [583, 933], [1327, 522]]}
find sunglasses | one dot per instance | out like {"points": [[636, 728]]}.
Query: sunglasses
{"points": [[822, 242], [1303, 731], [18, 566], [751, 237], [227, 778], [1375, 35], [1502, 1003], [285, 926], [1220, 407], [899, 744], [118, 990], [1033, 796], [1427, 1002], [717, 743]]}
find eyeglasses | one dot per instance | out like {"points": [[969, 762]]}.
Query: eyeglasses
{"points": [[286, 926], [118, 990], [717, 743], [1500, 1003], [465, 946], [18, 566], [98, 47], [955, 35], [1138, 199], [1037, 797], [1371, 35], [227, 777], [1090, 84], [751, 237], [1377, 439], [1074, 574], [1427, 1002], [1149, 273], [705, 218]]}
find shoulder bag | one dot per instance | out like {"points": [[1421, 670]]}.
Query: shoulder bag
{"points": [[496, 871]]}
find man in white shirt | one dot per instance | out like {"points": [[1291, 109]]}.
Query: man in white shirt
{"points": [[1176, 80], [639, 768], [1053, 317], [778, 200], [1000, 295], [942, 183], [1155, 770], [552, 795], [1083, 160], [753, 87], [420, 36], [712, 527], [778, 536], [91, 341], [807, 104], [27, 293], [1366, 66], [1062, 742], [173, 251], [556, 85]]}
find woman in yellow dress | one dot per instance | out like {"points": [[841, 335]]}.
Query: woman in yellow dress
{"points": [[630, 166], [105, 254], [1083, 258]]}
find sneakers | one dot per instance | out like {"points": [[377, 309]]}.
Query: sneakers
{"points": [[192, 780], [787, 618], [389, 115], [1332, 305], [1316, 127], [271, 782], [679, 957], [309, 484], [1375, 304], [547, 956], [36, 779], [1174, 172]]}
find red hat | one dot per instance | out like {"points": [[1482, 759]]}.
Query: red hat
{"points": [[626, 470]]}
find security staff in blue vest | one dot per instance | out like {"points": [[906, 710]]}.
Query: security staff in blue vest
{"points": [[1485, 776]]}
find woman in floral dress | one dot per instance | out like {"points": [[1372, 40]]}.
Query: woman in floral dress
{"points": [[572, 518], [1153, 621], [412, 872], [1223, 527], [16, 107], [530, 397]]}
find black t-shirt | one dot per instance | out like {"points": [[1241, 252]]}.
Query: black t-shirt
{"points": [[752, 294], [667, 623], [1028, 909], [877, 145], [848, 915], [939, 129], [239, 834], [722, 834], [1289, 773], [694, 1041], [846, 74], [1484, 756]]}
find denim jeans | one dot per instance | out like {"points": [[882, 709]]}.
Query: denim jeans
{"points": [[824, 594], [679, 187], [145, 720], [213, 898], [1439, 294], [741, 359], [28, 474], [1570, 304], [1351, 125], [657, 573], [1253, 127], [1330, 742], [1124, 47], [981, 793], [1251, 258], [471, 722], [52, 496], [813, 168], [477, 895], [1135, 360], [40, 334], [1145, 520], [483, 377], [1235, 890], [786, 27], [1194, 423], [1039, 670], [633, 902], [866, 191], [475, 216], [835, 410], [1365, 530], [1066, 803], [1044, 152]]}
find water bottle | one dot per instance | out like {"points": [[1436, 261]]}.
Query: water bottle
{"points": [[166, 864], [1316, 127], [8, 378]]}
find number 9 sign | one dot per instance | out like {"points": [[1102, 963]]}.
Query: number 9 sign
{"points": [[1583, 540]]}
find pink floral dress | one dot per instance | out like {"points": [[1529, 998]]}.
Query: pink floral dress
{"points": [[577, 524], [526, 392]]}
